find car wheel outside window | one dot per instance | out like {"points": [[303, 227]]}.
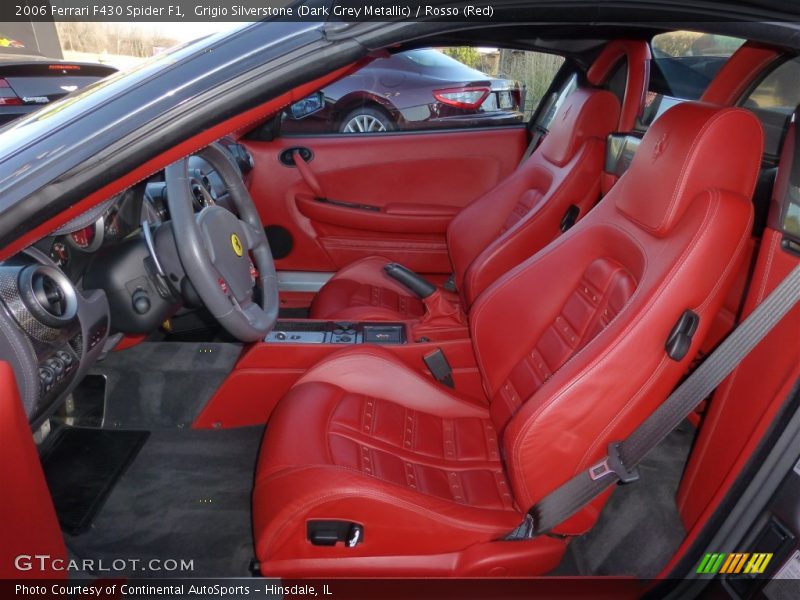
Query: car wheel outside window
{"points": [[366, 120]]}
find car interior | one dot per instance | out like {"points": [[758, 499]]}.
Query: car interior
{"points": [[356, 355]]}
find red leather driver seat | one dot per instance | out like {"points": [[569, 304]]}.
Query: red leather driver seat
{"points": [[501, 228], [570, 345], [520, 215]]}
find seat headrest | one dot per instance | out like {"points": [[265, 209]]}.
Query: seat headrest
{"points": [[585, 114], [691, 148], [637, 55]]}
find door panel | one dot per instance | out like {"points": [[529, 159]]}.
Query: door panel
{"points": [[391, 195]]}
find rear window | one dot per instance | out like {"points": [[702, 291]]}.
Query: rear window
{"points": [[774, 100], [683, 65], [428, 57]]}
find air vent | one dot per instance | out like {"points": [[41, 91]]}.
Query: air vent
{"points": [[48, 295]]}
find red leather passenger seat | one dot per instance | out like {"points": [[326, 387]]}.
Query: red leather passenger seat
{"points": [[571, 349]]}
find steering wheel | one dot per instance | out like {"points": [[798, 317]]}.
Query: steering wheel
{"points": [[215, 247]]}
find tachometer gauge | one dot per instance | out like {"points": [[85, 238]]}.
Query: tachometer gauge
{"points": [[89, 238], [60, 254], [112, 226]]}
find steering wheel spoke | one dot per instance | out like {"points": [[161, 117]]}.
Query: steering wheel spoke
{"points": [[255, 235]]}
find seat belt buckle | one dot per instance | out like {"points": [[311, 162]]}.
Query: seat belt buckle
{"points": [[437, 364], [612, 464]]}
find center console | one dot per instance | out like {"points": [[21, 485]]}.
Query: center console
{"points": [[332, 332]]}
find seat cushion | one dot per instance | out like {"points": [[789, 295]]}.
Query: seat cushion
{"points": [[417, 465], [363, 292]]}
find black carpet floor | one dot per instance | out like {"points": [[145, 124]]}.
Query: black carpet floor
{"points": [[163, 385], [639, 529], [187, 495]]}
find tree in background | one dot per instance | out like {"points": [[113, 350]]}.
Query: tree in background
{"points": [[465, 54], [535, 69], [692, 43]]}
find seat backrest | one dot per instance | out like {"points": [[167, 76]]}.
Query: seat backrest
{"points": [[523, 213], [571, 342]]}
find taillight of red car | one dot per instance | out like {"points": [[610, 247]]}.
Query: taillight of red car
{"points": [[7, 94], [468, 98]]}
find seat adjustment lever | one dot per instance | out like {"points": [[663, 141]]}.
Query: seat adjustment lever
{"points": [[680, 338], [321, 532]]}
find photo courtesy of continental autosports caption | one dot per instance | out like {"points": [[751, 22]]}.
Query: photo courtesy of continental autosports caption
{"points": [[396, 299]]}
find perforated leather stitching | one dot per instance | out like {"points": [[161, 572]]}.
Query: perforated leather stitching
{"points": [[370, 295], [390, 450], [588, 310]]}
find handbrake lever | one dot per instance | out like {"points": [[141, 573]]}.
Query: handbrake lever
{"points": [[419, 285]]}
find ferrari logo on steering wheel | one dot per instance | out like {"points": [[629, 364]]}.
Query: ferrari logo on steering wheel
{"points": [[237, 244]]}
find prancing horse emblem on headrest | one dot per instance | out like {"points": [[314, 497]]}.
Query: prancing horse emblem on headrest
{"points": [[660, 146]]}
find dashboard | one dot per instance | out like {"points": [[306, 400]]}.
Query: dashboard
{"points": [[73, 246], [63, 297]]}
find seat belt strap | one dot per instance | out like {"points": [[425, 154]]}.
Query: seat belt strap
{"points": [[536, 138], [623, 457]]}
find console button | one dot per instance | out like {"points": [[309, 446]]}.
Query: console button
{"points": [[57, 366], [46, 377], [65, 357]]}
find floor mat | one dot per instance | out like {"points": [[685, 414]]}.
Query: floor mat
{"points": [[81, 469], [639, 529], [186, 496], [163, 385]]}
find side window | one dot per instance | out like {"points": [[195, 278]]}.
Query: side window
{"points": [[426, 89], [791, 217], [555, 101], [683, 65], [774, 100]]}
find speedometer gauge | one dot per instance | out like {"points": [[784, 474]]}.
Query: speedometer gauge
{"points": [[89, 238], [83, 238]]}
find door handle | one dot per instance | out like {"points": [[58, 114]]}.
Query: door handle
{"points": [[307, 174]]}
